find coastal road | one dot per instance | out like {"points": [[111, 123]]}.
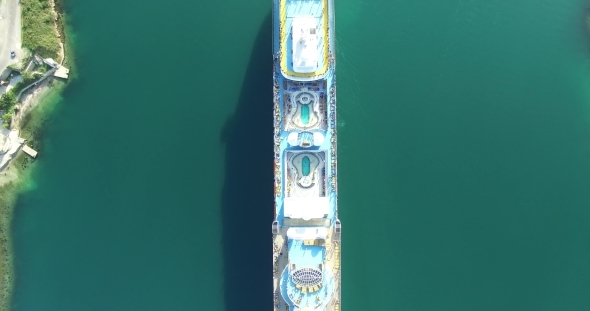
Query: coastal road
{"points": [[10, 32]]}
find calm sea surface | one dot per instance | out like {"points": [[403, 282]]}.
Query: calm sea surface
{"points": [[464, 157]]}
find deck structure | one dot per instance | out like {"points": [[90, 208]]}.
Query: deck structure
{"points": [[28, 150]]}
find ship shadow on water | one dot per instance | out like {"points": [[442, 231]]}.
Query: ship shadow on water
{"points": [[247, 196]]}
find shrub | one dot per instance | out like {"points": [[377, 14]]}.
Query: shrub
{"points": [[6, 118], [7, 100]]}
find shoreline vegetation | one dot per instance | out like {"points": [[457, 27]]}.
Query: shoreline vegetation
{"points": [[43, 36]]}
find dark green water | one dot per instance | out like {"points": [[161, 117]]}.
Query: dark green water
{"points": [[464, 155]]}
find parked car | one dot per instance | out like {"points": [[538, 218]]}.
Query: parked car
{"points": [[12, 54]]}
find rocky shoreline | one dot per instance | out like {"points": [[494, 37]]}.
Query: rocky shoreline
{"points": [[12, 177]]}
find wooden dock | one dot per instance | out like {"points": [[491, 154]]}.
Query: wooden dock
{"points": [[28, 150], [62, 72]]}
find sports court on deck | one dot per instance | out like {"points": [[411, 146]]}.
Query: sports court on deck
{"points": [[304, 38]]}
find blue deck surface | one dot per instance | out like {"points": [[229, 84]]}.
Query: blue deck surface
{"points": [[306, 255]]}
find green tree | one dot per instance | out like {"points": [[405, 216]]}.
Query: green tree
{"points": [[27, 76], [7, 100], [6, 118]]}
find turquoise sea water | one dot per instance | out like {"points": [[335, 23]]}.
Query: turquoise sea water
{"points": [[464, 158]]}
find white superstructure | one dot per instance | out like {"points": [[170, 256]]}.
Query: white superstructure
{"points": [[306, 52]]}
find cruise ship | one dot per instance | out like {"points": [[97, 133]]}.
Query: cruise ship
{"points": [[306, 230]]}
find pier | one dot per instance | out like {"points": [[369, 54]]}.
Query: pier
{"points": [[62, 72], [28, 150]]}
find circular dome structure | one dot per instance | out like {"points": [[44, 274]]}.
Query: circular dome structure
{"points": [[307, 276], [294, 280]]}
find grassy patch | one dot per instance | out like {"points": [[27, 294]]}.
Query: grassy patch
{"points": [[38, 28]]}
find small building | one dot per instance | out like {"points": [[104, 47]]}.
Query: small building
{"points": [[51, 62], [38, 60], [5, 74]]}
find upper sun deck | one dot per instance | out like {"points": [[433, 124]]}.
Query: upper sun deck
{"points": [[304, 39]]}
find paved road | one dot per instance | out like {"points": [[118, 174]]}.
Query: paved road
{"points": [[10, 36]]}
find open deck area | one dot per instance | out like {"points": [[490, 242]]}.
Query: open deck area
{"points": [[304, 105], [306, 174]]}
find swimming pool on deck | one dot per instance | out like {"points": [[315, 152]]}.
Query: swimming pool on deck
{"points": [[305, 114], [305, 166]]}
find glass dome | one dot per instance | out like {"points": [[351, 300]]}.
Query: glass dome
{"points": [[307, 276]]}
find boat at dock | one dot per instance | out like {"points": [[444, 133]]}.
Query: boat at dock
{"points": [[306, 230]]}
